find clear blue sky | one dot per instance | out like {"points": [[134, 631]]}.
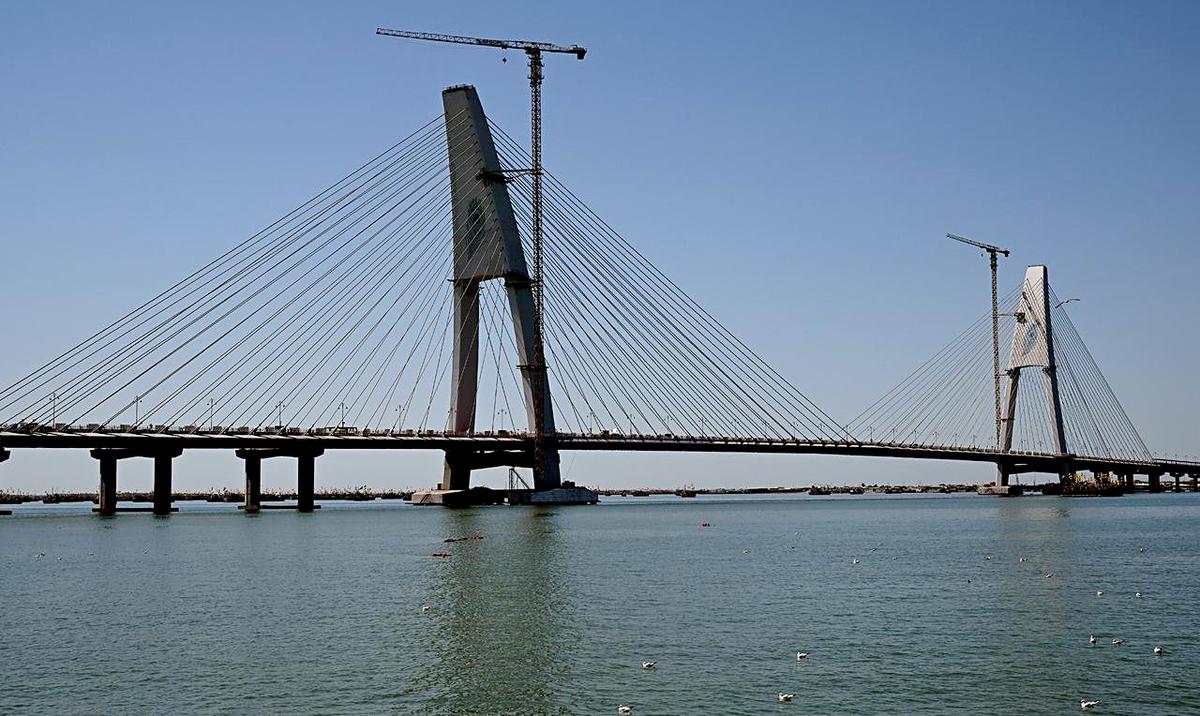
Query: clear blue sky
{"points": [[792, 165]]}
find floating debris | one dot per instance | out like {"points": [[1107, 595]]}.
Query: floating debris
{"points": [[440, 554], [463, 539]]}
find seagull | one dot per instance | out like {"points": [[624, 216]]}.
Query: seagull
{"points": [[1088, 704], [1158, 651], [1138, 595], [425, 608], [1118, 642], [623, 709], [987, 556], [1092, 639], [648, 665], [784, 698], [801, 655], [1100, 593], [1141, 549], [855, 561], [1021, 559], [1049, 575]]}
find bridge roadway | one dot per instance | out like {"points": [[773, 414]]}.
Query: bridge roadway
{"points": [[149, 443]]}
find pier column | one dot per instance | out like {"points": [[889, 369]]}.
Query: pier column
{"points": [[1155, 481], [253, 500], [162, 484], [1127, 481], [108, 485], [4, 454], [1001, 475], [1195, 483], [305, 478], [1177, 488]]}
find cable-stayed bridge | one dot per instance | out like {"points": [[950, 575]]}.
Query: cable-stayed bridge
{"points": [[395, 310]]}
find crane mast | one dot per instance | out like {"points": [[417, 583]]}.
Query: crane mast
{"points": [[992, 251], [533, 50]]}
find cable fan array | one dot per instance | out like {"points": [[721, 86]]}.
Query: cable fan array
{"points": [[337, 319], [948, 400]]}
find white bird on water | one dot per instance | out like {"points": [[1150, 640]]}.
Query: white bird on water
{"points": [[784, 698], [801, 655], [623, 709], [1049, 575], [855, 561], [1118, 642], [1092, 639], [1138, 595], [647, 665], [1100, 593], [1158, 651], [425, 608], [1089, 704]]}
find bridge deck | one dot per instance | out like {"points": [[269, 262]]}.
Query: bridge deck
{"points": [[176, 440]]}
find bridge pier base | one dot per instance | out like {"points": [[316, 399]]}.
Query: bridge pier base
{"points": [[305, 481], [1155, 479], [108, 486], [1195, 483], [162, 484], [305, 475], [1177, 487], [4, 454], [108, 457], [253, 498], [1127, 481]]}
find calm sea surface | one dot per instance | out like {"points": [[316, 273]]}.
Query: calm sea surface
{"points": [[554, 610]]}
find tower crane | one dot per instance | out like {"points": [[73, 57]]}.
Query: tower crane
{"points": [[533, 50], [992, 251]]}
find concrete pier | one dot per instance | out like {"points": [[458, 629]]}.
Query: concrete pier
{"points": [[162, 484], [108, 484], [305, 480], [1155, 479], [305, 476], [1195, 483], [253, 501], [4, 454], [108, 457], [1127, 481]]}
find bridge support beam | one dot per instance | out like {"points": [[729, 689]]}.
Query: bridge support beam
{"points": [[305, 482], [253, 497], [108, 485], [108, 457], [305, 475], [162, 484]]}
